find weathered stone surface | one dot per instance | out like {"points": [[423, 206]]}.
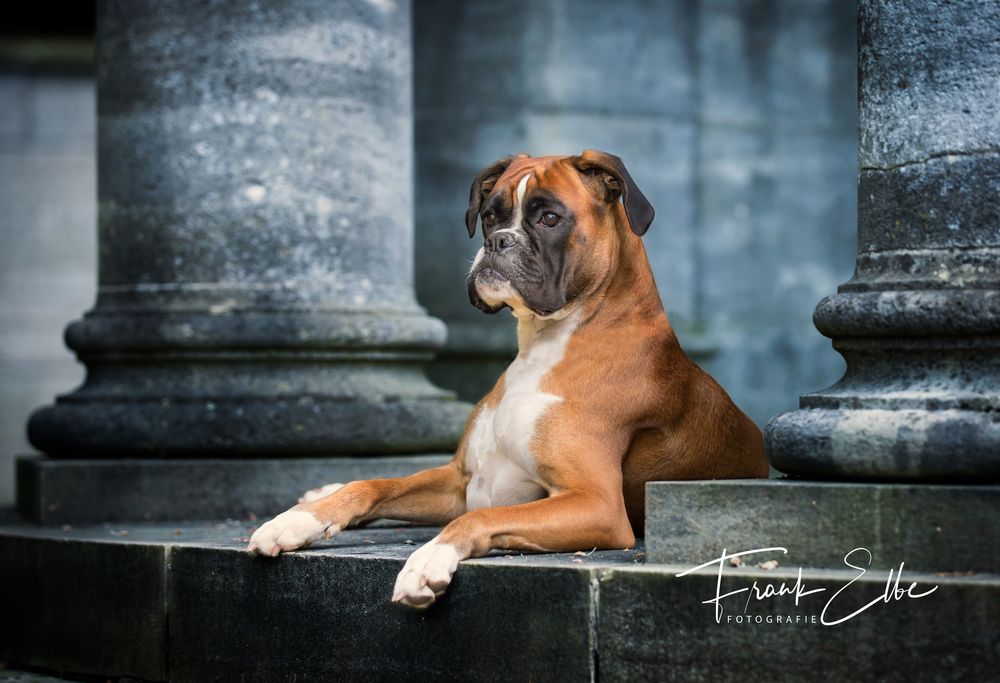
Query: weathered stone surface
{"points": [[83, 606], [929, 79], [325, 614], [669, 634], [332, 614], [10, 676], [919, 323], [932, 528], [322, 613], [255, 217], [129, 490]]}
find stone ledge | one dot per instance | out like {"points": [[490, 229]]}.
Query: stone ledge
{"points": [[655, 627], [16, 676], [98, 600], [933, 528], [321, 614], [53, 491]]}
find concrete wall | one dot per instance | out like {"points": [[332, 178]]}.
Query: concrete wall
{"points": [[48, 231], [737, 119]]}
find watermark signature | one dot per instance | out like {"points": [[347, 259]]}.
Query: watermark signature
{"points": [[839, 602]]}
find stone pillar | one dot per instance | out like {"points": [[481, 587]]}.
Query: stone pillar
{"points": [[255, 239], [919, 323]]}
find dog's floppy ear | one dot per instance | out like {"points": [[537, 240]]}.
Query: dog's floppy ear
{"points": [[613, 176], [482, 185]]}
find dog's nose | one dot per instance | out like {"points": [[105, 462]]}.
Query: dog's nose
{"points": [[499, 241]]}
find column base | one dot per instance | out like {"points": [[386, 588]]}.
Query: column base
{"points": [[249, 382], [130, 490], [241, 426], [888, 444]]}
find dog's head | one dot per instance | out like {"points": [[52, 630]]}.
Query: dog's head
{"points": [[552, 228]]}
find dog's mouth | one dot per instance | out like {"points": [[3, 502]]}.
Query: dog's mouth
{"points": [[490, 288], [489, 276], [493, 286]]}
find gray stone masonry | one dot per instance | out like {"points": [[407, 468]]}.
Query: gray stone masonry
{"points": [[930, 527], [919, 323], [129, 490], [97, 600], [919, 327], [255, 239]]}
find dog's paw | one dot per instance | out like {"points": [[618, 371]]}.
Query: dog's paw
{"points": [[321, 492], [426, 575], [290, 530]]}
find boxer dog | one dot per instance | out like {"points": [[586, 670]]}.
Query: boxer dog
{"points": [[600, 399]]}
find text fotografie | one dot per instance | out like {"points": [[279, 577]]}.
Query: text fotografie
{"points": [[761, 591]]}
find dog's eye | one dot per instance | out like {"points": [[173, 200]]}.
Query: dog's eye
{"points": [[488, 219], [549, 219]]}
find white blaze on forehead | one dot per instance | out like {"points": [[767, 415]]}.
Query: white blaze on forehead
{"points": [[494, 295], [522, 187]]}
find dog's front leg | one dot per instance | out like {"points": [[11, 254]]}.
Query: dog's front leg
{"points": [[565, 521], [434, 496]]}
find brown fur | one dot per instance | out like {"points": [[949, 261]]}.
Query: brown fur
{"points": [[634, 409]]}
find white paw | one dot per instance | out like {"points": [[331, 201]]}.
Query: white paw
{"points": [[426, 575], [289, 531], [321, 492]]}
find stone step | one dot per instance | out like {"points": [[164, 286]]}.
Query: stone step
{"points": [[186, 603], [930, 527], [57, 491], [17, 676]]}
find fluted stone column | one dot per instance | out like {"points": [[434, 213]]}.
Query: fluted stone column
{"points": [[919, 323], [255, 235]]}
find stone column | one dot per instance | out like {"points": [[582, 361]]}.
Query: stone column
{"points": [[919, 323], [255, 239]]}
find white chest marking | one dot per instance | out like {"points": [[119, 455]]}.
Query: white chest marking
{"points": [[498, 455]]}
